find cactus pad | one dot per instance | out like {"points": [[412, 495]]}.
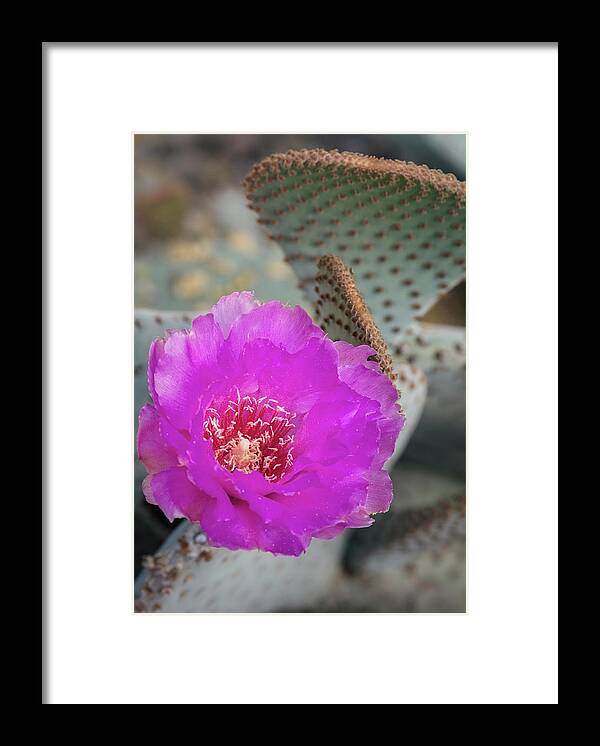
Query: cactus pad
{"points": [[148, 325], [343, 314], [412, 559], [186, 575], [399, 226], [439, 439]]}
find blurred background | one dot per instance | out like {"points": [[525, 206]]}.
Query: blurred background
{"points": [[196, 240]]}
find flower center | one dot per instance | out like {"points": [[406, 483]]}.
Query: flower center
{"points": [[251, 434]]}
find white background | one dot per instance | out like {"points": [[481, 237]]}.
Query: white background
{"points": [[504, 650]]}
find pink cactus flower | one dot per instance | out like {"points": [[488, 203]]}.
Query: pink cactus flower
{"points": [[264, 431]]}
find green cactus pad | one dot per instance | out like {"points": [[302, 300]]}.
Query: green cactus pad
{"points": [[343, 314], [148, 325], [186, 575], [433, 347], [439, 439], [399, 226], [413, 559]]}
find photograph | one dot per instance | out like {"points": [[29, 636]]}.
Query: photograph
{"points": [[299, 373]]}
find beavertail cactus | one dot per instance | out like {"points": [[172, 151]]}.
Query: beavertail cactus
{"points": [[187, 575], [343, 314], [415, 559], [399, 227]]}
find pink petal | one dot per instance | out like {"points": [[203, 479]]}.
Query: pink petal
{"points": [[175, 495], [229, 308], [285, 327], [153, 450], [183, 367], [349, 355], [379, 493]]}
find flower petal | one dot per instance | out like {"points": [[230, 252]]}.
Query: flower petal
{"points": [[184, 366], [284, 326], [379, 493], [296, 380], [349, 355], [153, 451], [249, 532], [372, 384], [229, 308], [174, 494]]}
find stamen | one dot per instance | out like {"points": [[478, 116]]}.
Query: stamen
{"points": [[251, 434]]}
